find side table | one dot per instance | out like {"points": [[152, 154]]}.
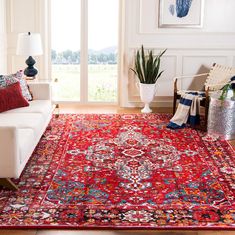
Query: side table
{"points": [[221, 119], [56, 108]]}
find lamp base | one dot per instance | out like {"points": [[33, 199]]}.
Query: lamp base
{"points": [[30, 71]]}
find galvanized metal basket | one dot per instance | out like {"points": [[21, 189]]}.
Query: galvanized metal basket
{"points": [[221, 119]]}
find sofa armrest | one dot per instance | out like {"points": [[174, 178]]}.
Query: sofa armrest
{"points": [[9, 155], [40, 90]]}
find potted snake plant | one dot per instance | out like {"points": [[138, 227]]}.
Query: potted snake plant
{"points": [[147, 69]]}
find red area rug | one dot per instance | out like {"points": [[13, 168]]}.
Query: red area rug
{"points": [[123, 172]]}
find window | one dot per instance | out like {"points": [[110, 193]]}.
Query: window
{"points": [[102, 53], [65, 54], [84, 42]]}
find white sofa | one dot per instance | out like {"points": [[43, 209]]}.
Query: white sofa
{"points": [[22, 128]]}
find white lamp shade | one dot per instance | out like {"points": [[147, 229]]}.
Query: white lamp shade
{"points": [[29, 44]]}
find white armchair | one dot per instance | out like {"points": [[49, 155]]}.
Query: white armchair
{"points": [[217, 77]]}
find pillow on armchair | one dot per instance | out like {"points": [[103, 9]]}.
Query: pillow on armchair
{"points": [[11, 97], [6, 80]]}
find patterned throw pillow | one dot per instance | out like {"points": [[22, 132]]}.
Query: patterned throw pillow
{"points": [[6, 80]]}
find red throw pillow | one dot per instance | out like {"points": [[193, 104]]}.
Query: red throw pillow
{"points": [[11, 97]]}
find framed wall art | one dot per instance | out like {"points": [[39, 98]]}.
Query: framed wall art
{"points": [[180, 13]]}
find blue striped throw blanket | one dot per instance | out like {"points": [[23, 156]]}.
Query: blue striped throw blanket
{"points": [[187, 111]]}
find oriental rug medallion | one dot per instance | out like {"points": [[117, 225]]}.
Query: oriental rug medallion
{"points": [[123, 172]]}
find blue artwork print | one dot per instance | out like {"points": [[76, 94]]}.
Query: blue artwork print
{"points": [[181, 7], [172, 9]]}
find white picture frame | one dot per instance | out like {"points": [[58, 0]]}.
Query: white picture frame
{"points": [[181, 13]]}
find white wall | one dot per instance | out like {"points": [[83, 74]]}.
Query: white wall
{"points": [[27, 16], [189, 51], [3, 45]]}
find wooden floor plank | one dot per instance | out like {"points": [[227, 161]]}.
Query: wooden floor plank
{"points": [[116, 232], [18, 232]]}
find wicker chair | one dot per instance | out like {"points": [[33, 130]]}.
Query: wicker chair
{"points": [[217, 77]]}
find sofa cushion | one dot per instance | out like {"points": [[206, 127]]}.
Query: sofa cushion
{"points": [[34, 121], [36, 106], [11, 97], [25, 137]]}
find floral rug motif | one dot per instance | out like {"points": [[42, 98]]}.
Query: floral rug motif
{"points": [[120, 172]]}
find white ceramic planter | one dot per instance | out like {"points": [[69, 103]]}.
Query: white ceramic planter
{"points": [[147, 93]]}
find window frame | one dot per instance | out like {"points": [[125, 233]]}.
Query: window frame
{"points": [[84, 57]]}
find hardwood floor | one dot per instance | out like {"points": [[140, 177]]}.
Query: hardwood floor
{"points": [[93, 232], [72, 108], [110, 109]]}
